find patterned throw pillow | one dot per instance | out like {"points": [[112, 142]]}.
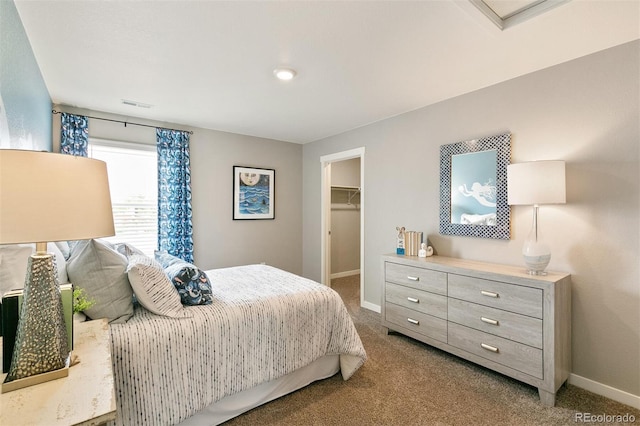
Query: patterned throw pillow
{"points": [[192, 283]]}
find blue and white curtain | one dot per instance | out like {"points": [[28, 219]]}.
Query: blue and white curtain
{"points": [[175, 228], [74, 135]]}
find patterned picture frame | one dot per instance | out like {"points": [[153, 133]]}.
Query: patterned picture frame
{"points": [[253, 193], [488, 193]]}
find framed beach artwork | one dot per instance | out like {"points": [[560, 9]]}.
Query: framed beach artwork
{"points": [[253, 193], [473, 187]]}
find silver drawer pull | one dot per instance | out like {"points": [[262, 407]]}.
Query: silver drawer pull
{"points": [[413, 299], [489, 321], [409, 277], [412, 321], [489, 294], [489, 348]]}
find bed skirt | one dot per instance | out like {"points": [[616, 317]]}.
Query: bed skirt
{"points": [[234, 405]]}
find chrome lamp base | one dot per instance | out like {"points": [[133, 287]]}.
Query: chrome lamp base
{"points": [[41, 339]]}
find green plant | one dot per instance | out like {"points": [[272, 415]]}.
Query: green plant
{"points": [[80, 301]]}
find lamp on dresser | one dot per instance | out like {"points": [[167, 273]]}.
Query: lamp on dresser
{"points": [[535, 183], [46, 197]]}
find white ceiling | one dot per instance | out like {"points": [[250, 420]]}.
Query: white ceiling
{"points": [[209, 63]]}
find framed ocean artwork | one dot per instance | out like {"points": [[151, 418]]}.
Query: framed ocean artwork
{"points": [[253, 193]]}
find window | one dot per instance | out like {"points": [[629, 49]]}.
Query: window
{"points": [[133, 181]]}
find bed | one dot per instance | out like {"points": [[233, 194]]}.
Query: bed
{"points": [[266, 333], [255, 333]]}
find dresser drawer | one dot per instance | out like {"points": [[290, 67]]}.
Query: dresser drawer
{"points": [[511, 354], [427, 325], [418, 278], [509, 297], [520, 328], [418, 300]]}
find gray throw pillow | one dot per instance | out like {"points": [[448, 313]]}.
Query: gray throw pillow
{"points": [[101, 271]]}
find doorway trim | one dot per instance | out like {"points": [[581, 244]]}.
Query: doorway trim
{"points": [[325, 213]]}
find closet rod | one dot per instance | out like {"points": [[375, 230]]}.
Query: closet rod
{"points": [[125, 122]]}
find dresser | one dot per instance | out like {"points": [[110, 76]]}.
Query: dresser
{"points": [[497, 316]]}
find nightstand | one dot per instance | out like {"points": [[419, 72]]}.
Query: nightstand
{"points": [[85, 397]]}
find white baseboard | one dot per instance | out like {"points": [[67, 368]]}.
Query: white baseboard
{"points": [[605, 390], [345, 274], [575, 380], [371, 306]]}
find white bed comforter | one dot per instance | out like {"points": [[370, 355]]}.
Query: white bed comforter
{"points": [[263, 323]]}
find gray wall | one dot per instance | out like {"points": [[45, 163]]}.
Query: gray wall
{"points": [[585, 112], [219, 241]]}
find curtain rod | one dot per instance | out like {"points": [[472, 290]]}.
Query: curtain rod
{"points": [[124, 122]]}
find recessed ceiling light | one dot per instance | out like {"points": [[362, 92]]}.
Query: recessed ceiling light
{"points": [[284, 74]]}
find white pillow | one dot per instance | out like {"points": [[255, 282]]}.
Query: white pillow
{"points": [[64, 248], [13, 266], [127, 250], [14, 259], [61, 263], [153, 288]]}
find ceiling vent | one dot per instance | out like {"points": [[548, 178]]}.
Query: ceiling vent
{"points": [[136, 104], [507, 13]]}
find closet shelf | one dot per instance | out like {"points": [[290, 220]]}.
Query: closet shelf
{"points": [[345, 188], [352, 191]]}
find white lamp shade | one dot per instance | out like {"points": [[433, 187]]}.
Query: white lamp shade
{"points": [[536, 182], [53, 197]]}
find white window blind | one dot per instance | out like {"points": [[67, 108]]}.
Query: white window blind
{"points": [[133, 181]]}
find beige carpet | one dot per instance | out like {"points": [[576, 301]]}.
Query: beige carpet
{"points": [[405, 382]]}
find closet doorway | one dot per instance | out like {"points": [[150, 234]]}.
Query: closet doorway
{"points": [[343, 216]]}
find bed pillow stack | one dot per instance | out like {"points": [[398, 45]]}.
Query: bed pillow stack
{"points": [[192, 283], [115, 276]]}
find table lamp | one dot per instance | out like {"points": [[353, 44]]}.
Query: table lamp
{"points": [[46, 197], [535, 183]]}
